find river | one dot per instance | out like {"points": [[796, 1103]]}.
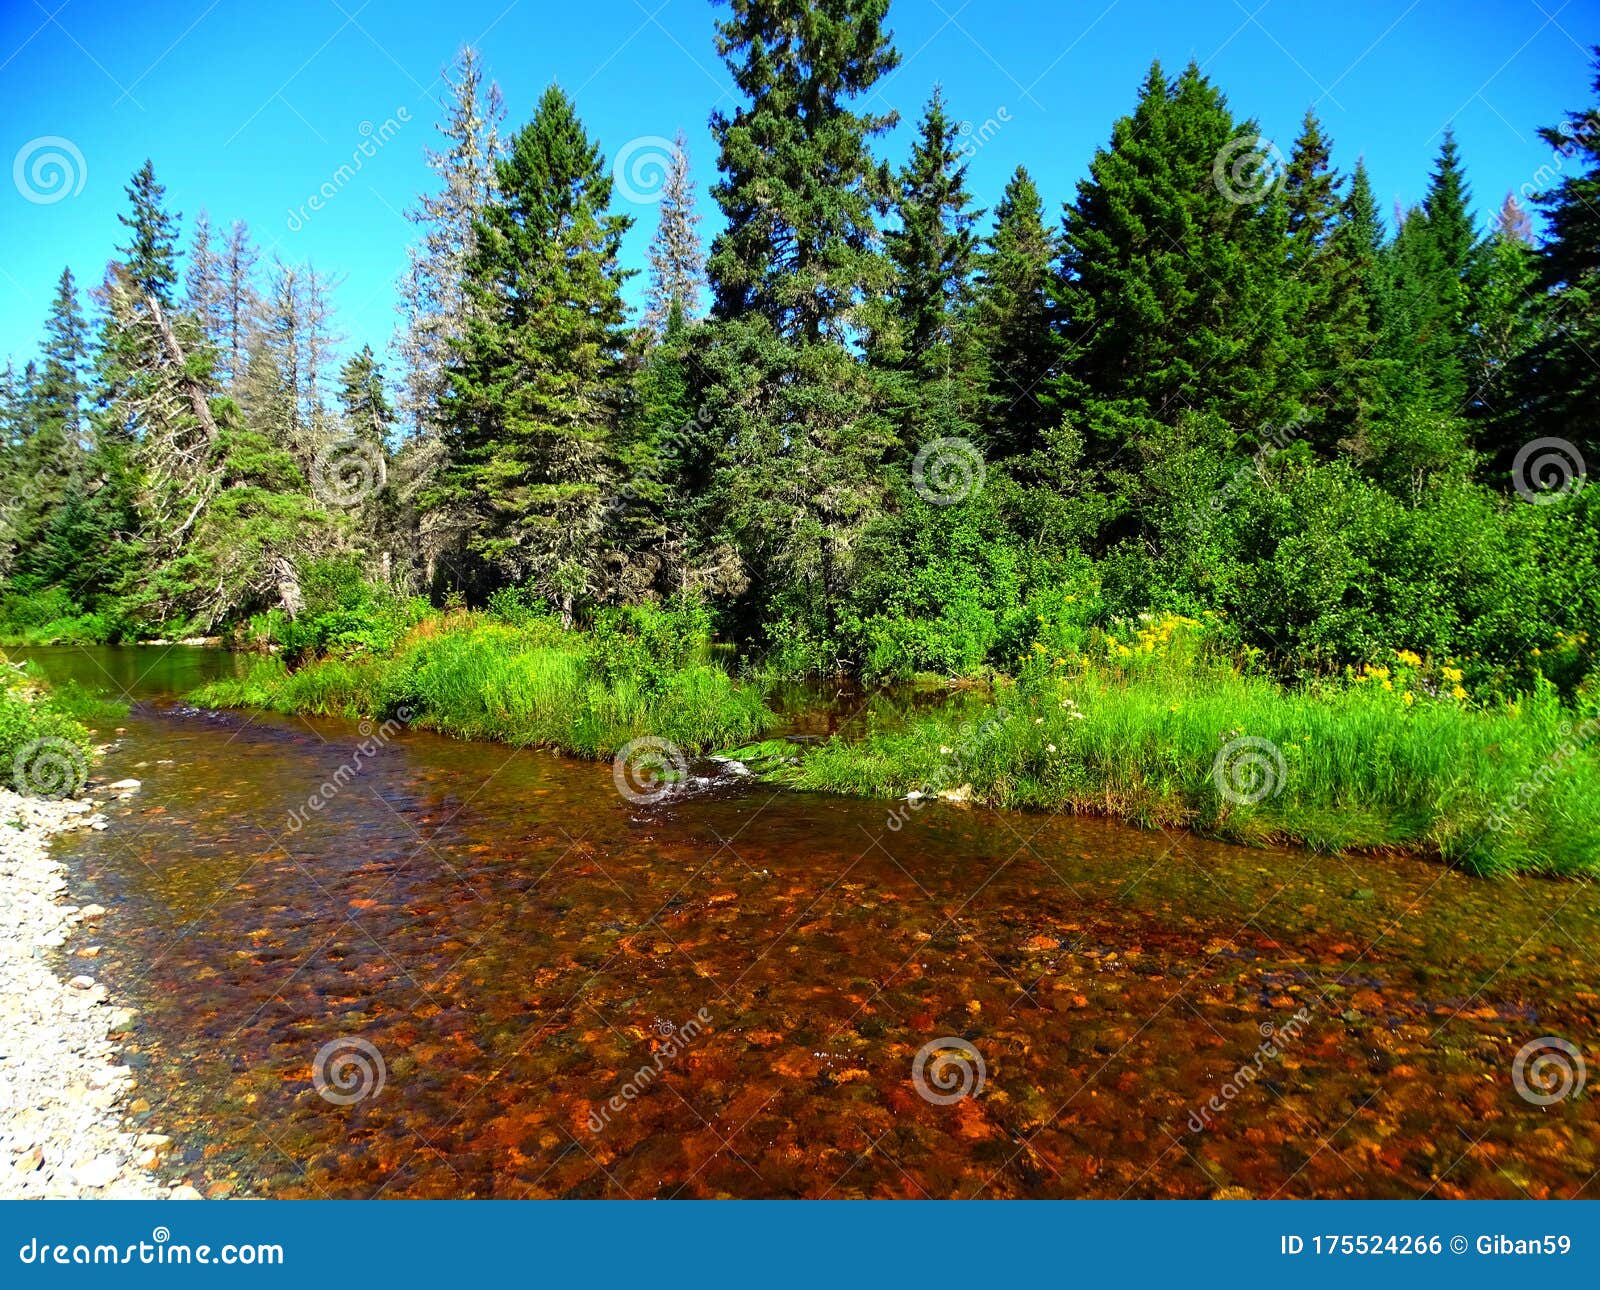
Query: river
{"points": [[469, 970]]}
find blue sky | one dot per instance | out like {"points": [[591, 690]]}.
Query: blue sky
{"points": [[248, 107]]}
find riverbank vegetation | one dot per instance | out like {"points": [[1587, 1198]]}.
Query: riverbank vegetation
{"points": [[876, 429], [46, 738], [515, 674], [1152, 725]]}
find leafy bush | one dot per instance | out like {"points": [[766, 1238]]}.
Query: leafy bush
{"points": [[344, 613]]}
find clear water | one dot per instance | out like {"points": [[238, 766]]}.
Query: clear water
{"points": [[517, 943]]}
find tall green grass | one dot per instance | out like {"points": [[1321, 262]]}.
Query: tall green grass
{"points": [[527, 683], [1175, 739]]}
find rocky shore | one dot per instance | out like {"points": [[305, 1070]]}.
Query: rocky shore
{"points": [[61, 1088]]}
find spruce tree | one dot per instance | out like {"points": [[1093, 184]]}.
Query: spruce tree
{"points": [[241, 304], [799, 187], [677, 259], [1560, 378], [1017, 320], [205, 286], [368, 413], [536, 381], [1173, 270], [150, 258], [433, 301], [934, 248], [1330, 334]]}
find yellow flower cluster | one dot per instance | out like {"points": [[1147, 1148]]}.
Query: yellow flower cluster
{"points": [[1412, 675]]}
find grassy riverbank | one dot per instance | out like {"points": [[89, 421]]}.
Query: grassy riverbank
{"points": [[1146, 724], [1148, 727], [46, 738], [639, 672]]}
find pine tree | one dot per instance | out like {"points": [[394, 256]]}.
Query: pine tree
{"points": [[677, 259], [1174, 270], [1504, 319], [799, 186], [368, 413], [1560, 378], [241, 305], [1330, 334], [58, 398], [205, 286], [1018, 320], [433, 302], [934, 248], [150, 258], [537, 377]]}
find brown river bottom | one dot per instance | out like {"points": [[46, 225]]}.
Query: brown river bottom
{"points": [[481, 972]]}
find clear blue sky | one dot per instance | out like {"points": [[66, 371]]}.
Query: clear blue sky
{"points": [[248, 106]]}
